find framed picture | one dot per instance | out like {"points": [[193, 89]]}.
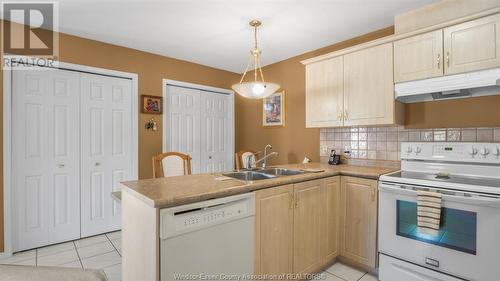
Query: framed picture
{"points": [[152, 104], [273, 111]]}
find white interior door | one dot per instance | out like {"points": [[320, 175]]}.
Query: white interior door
{"points": [[45, 149], [106, 129], [200, 123], [216, 132], [182, 130]]}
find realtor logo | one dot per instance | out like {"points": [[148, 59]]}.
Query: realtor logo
{"points": [[30, 29]]}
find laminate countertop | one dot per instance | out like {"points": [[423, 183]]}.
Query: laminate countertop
{"points": [[181, 190]]}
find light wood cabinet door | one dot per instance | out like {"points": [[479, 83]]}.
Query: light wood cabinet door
{"points": [[274, 230], [472, 45], [369, 87], [307, 226], [330, 219], [324, 93], [359, 220], [419, 57]]}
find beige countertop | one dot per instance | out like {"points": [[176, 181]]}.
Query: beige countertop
{"points": [[174, 191]]}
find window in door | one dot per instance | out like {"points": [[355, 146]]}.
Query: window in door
{"points": [[458, 228]]}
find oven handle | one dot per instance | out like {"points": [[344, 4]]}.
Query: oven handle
{"points": [[461, 197]]}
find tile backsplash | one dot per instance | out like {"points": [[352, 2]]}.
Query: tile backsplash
{"points": [[384, 143]]}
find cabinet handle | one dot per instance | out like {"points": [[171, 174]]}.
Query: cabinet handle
{"points": [[60, 165], [439, 61], [339, 114], [297, 202], [291, 200], [448, 59], [346, 115], [373, 194]]}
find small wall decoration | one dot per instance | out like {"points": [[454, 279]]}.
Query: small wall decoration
{"points": [[273, 111], [151, 125], [152, 104]]}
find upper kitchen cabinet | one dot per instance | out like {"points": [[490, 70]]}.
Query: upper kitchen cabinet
{"points": [[369, 87], [472, 45], [324, 93], [419, 57]]}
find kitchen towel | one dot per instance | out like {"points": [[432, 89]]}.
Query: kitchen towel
{"points": [[428, 212]]}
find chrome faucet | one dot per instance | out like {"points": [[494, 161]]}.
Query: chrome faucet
{"points": [[263, 159]]}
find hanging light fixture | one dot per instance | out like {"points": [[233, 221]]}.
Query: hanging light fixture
{"points": [[255, 89]]}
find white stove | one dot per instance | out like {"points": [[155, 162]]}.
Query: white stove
{"points": [[466, 247]]}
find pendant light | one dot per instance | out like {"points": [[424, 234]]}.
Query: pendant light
{"points": [[256, 89]]}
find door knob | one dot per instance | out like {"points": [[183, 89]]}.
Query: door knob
{"points": [[60, 165], [97, 163], [209, 157]]}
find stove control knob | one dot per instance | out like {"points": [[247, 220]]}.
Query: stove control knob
{"points": [[472, 151], [484, 151], [496, 152], [409, 149], [418, 149]]}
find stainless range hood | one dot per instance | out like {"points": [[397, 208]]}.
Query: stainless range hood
{"points": [[472, 84]]}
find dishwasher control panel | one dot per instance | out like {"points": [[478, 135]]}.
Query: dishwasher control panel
{"points": [[211, 215], [187, 218]]}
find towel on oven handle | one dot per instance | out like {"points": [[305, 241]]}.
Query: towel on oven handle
{"points": [[428, 212]]}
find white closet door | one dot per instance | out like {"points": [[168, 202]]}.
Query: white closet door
{"points": [[182, 130], [45, 150], [106, 129], [216, 132]]}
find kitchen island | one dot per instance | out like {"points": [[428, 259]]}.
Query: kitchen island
{"points": [[142, 201]]}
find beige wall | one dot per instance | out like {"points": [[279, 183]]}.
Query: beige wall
{"points": [[151, 70]]}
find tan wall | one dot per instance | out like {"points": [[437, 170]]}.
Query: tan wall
{"points": [[294, 141], [151, 70]]}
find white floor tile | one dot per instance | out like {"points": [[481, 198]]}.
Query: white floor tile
{"points": [[31, 262], [54, 249], [368, 277], [117, 243], [75, 264], [345, 272], [58, 258], [102, 261], [18, 257], [114, 235], [325, 276], [95, 249], [114, 272], [91, 240]]}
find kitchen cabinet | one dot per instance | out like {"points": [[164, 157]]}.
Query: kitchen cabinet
{"points": [[330, 220], [369, 87], [307, 226], [325, 93], [274, 230], [358, 234], [472, 45], [419, 57]]}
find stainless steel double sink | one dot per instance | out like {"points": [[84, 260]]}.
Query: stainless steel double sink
{"points": [[262, 174]]}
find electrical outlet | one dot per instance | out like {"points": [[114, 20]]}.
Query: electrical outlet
{"points": [[324, 149]]}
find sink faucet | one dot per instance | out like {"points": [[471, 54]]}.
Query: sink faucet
{"points": [[263, 159]]}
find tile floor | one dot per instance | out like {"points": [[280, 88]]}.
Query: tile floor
{"points": [[342, 272], [104, 252], [97, 252]]}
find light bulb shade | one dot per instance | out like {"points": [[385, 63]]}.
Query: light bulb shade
{"points": [[256, 89]]}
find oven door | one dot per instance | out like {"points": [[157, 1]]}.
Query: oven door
{"points": [[467, 245]]}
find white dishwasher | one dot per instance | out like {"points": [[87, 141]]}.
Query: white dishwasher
{"points": [[209, 240]]}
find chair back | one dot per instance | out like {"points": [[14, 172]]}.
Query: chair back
{"points": [[241, 158], [171, 164]]}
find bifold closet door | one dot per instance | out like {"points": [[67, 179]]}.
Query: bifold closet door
{"points": [[106, 152], [45, 157]]}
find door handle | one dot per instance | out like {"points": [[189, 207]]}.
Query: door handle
{"points": [[448, 59], [439, 61], [60, 165], [98, 163]]}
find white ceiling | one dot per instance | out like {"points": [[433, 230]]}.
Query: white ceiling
{"points": [[216, 32]]}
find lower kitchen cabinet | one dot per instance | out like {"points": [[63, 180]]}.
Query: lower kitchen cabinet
{"points": [[330, 220], [274, 230], [307, 226], [358, 236]]}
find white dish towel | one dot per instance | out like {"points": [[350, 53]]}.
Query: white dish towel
{"points": [[428, 212]]}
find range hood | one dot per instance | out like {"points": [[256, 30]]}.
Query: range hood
{"points": [[472, 84]]}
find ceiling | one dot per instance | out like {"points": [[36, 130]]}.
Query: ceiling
{"points": [[216, 32]]}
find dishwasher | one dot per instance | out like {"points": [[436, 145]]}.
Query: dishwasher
{"points": [[209, 240]]}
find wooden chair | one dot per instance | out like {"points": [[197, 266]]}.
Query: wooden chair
{"points": [[241, 158], [171, 164]]}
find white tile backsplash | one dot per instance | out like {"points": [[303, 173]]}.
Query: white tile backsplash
{"points": [[384, 143]]}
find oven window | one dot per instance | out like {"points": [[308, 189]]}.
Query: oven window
{"points": [[457, 231]]}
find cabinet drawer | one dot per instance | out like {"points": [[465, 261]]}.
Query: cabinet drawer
{"points": [[392, 269]]}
